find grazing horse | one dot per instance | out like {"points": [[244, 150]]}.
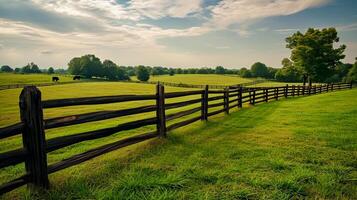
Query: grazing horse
{"points": [[55, 78], [76, 78]]}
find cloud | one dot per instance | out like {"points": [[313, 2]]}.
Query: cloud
{"points": [[230, 12], [156, 9], [47, 52], [349, 27]]}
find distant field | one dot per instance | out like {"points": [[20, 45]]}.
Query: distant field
{"points": [[201, 79], [275, 83], [10, 78], [309, 154]]}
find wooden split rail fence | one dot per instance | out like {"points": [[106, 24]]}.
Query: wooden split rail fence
{"points": [[33, 125]]}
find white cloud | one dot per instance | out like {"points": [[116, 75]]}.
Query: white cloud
{"points": [[107, 9], [156, 9], [229, 12], [349, 27]]}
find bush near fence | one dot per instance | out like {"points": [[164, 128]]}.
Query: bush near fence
{"points": [[33, 126]]}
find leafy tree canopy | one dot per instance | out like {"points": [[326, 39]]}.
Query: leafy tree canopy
{"points": [[6, 68], [314, 52], [259, 69], [142, 73]]}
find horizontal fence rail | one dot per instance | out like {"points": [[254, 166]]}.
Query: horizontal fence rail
{"points": [[209, 103]]}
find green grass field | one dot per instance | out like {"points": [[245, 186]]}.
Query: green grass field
{"points": [[11, 78], [201, 79], [294, 148]]}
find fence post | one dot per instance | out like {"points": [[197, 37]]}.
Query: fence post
{"points": [[240, 95], [327, 86], [351, 84], [320, 89], [298, 90], [276, 93], [253, 101], [204, 104], [33, 137], [266, 95], [303, 90], [309, 90], [286, 91], [331, 87], [226, 100], [293, 88], [160, 110]]}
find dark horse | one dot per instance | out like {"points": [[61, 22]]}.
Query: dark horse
{"points": [[55, 78], [76, 77]]}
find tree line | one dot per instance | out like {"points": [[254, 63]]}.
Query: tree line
{"points": [[313, 55]]}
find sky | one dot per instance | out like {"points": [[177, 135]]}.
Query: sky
{"points": [[171, 33]]}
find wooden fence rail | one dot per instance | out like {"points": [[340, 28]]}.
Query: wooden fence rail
{"points": [[33, 126]]}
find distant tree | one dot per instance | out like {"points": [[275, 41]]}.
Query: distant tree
{"points": [[50, 70], [289, 72], [314, 52], [220, 70], [74, 66], [6, 68], [259, 69], [122, 74], [352, 74], [35, 68], [245, 73], [271, 73], [171, 72], [26, 69], [142, 73], [178, 71], [110, 70], [87, 66], [17, 70]]}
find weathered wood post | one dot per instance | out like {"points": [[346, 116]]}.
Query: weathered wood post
{"points": [[240, 95], [320, 89], [204, 104], [266, 95], [33, 137], [351, 84], [286, 91], [250, 96], [293, 88], [298, 90], [327, 87], [226, 100], [160, 110], [276, 93], [332, 87], [253, 101]]}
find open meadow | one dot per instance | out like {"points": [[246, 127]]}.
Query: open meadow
{"points": [[201, 79], [11, 78], [244, 155]]}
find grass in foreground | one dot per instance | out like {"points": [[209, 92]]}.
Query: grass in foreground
{"points": [[297, 148]]}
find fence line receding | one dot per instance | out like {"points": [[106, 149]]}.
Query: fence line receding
{"points": [[33, 125]]}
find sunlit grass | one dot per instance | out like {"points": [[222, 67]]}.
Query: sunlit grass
{"points": [[296, 148]]}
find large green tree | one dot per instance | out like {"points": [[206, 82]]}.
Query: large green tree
{"points": [[87, 66], [314, 52], [259, 69]]}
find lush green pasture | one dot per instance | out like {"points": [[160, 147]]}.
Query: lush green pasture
{"points": [[11, 78], [201, 79], [304, 147]]}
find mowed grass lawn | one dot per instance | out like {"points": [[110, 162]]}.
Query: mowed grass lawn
{"points": [[304, 147], [201, 79], [11, 78]]}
